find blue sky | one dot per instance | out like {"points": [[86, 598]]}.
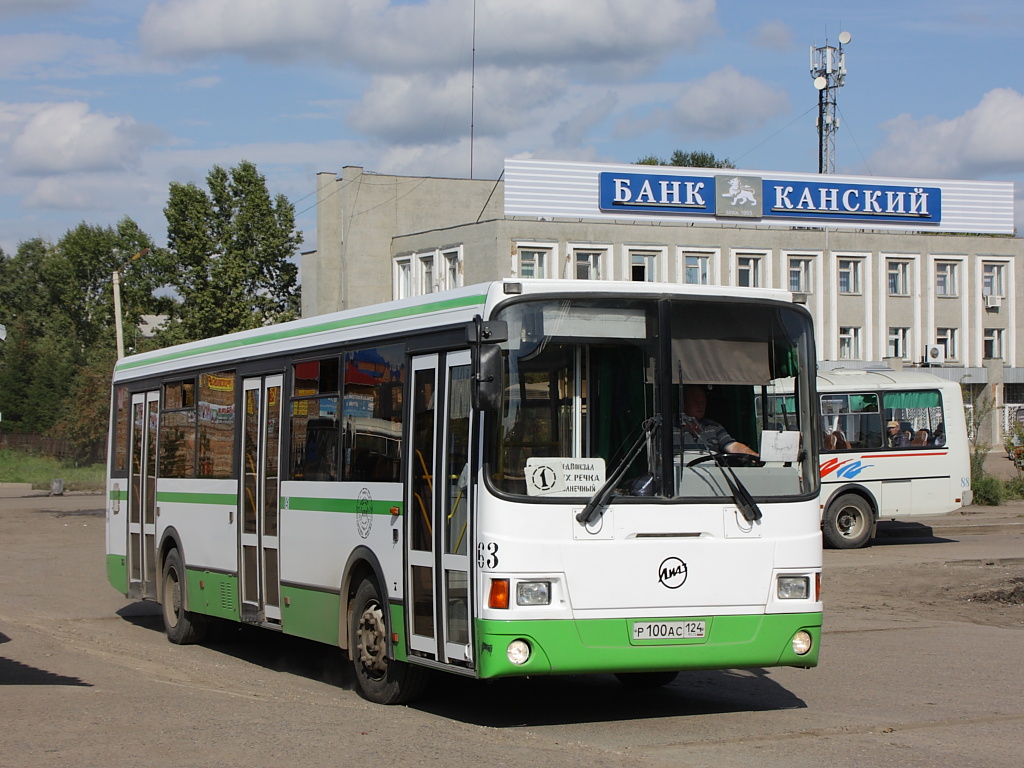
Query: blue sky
{"points": [[105, 102]]}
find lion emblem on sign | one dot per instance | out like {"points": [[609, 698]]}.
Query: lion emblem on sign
{"points": [[740, 193]]}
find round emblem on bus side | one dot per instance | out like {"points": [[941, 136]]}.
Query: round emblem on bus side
{"points": [[364, 513], [672, 572]]}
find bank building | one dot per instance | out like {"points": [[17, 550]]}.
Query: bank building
{"points": [[896, 272]]}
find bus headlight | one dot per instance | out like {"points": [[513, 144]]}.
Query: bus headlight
{"points": [[802, 642], [518, 652], [533, 593], [793, 588]]}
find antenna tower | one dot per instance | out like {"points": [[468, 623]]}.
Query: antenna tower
{"points": [[828, 69]]}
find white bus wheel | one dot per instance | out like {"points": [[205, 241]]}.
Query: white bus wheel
{"points": [[847, 523]]}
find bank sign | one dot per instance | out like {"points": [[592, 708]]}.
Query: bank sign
{"points": [[754, 197]]}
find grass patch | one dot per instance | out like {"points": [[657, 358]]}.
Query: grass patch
{"points": [[18, 467]]}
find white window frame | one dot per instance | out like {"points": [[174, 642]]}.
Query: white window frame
{"points": [[543, 263], [947, 339], [802, 268], [993, 278], [849, 342], [992, 345], [704, 266], [850, 268], [426, 273], [648, 261], [947, 279], [401, 277], [595, 257], [451, 260], [899, 342], [900, 270], [751, 264]]}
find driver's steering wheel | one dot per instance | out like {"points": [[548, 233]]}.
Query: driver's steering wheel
{"points": [[730, 459]]}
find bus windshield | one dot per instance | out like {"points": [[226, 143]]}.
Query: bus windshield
{"points": [[671, 387]]}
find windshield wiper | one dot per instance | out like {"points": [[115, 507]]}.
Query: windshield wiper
{"points": [[748, 507], [600, 499]]}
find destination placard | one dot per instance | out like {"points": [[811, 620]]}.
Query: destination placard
{"points": [[564, 477]]}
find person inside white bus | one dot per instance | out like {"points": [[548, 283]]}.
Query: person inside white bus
{"points": [[939, 437], [695, 404], [897, 437]]}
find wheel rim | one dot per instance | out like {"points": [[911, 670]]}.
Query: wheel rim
{"points": [[371, 641], [850, 522], [172, 598]]}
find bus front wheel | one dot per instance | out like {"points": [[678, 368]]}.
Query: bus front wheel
{"points": [[848, 522], [182, 627], [380, 679]]}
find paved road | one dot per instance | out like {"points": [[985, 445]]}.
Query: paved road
{"points": [[912, 674]]}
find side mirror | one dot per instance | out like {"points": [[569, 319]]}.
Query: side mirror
{"points": [[488, 381]]}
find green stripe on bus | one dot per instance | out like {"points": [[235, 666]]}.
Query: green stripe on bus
{"points": [[604, 645], [117, 572], [347, 506], [226, 499], [310, 613], [334, 325], [119, 495]]}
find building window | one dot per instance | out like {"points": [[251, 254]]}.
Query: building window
{"points": [[643, 266], [452, 261], [899, 343], [993, 344], [748, 271], [992, 279], [849, 275], [426, 265], [946, 278], [696, 269], [533, 262], [403, 278], [899, 278], [587, 264], [849, 343], [800, 275], [947, 339]]}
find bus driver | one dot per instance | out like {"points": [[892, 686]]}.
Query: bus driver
{"points": [[695, 403]]}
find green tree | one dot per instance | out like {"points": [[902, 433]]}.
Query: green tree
{"points": [[232, 249], [698, 159]]}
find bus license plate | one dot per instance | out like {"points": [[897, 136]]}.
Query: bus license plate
{"points": [[668, 630]]}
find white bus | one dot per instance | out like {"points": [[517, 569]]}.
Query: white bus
{"points": [[486, 482], [894, 445]]}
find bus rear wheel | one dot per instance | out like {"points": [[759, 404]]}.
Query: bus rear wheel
{"points": [[182, 627], [847, 523], [380, 679]]}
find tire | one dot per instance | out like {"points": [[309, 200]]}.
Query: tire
{"points": [[379, 679], [182, 627], [848, 522], [645, 681]]}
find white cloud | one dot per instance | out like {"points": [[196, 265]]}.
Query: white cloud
{"points": [[985, 140], [380, 36], [67, 138], [725, 103], [50, 55], [773, 36]]}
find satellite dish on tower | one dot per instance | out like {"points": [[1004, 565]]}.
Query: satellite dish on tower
{"points": [[844, 38], [820, 83]]}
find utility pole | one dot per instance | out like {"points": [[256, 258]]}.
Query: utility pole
{"points": [[828, 68], [117, 302]]}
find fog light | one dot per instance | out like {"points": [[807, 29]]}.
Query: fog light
{"points": [[519, 652], [793, 587], [802, 642], [533, 593]]}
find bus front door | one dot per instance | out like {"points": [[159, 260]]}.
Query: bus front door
{"points": [[142, 496], [260, 574], [438, 519]]}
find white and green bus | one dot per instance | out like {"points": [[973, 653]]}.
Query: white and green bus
{"points": [[489, 482]]}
